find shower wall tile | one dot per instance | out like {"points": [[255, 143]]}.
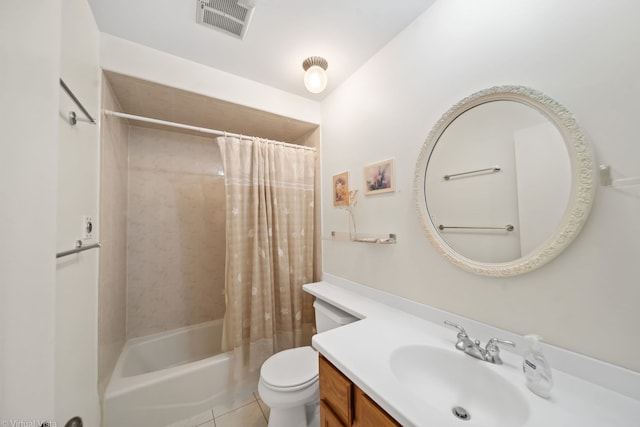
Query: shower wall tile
{"points": [[176, 231], [112, 278]]}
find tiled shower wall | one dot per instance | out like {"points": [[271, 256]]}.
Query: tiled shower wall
{"points": [[112, 282], [176, 231]]}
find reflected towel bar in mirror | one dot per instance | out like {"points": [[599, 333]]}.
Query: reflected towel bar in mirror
{"points": [[493, 170], [507, 227]]}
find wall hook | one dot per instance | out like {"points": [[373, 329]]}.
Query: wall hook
{"points": [[607, 181]]}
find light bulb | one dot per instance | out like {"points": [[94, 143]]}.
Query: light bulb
{"points": [[315, 79], [315, 76]]}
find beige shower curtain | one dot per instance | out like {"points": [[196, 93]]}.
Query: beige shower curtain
{"points": [[270, 241]]}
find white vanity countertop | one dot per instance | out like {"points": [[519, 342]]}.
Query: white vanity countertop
{"points": [[362, 350]]}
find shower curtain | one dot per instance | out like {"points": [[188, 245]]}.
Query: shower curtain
{"points": [[270, 240]]}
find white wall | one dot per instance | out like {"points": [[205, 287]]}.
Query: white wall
{"points": [[76, 359], [543, 171], [481, 138], [39, 370], [30, 52], [583, 54], [132, 59]]}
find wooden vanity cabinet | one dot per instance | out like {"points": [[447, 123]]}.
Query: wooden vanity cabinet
{"points": [[369, 414], [343, 404], [336, 396], [328, 418]]}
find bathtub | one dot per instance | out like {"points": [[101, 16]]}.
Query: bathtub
{"points": [[170, 376]]}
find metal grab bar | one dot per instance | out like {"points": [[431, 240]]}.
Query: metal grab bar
{"points": [[79, 248], [72, 115], [493, 169], [507, 227]]}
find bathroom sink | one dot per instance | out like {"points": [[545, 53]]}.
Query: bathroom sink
{"points": [[456, 383]]}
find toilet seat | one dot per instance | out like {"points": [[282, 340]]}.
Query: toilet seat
{"points": [[290, 370]]}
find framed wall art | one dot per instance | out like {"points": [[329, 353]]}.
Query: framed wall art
{"points": [[341, 189], [379, 178]]}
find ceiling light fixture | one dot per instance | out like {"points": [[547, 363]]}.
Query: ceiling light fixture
{"points": [[315, 76]]}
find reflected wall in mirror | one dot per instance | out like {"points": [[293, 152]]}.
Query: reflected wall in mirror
{"points": [[504, 182], [524, 181]]}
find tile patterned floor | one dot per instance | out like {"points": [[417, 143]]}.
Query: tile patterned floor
{"points": [[243, 411]]}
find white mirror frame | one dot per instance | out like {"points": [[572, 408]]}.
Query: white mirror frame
{"points": [[582, 181]]}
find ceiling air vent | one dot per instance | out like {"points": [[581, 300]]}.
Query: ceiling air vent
{"points": [[224, 15]]}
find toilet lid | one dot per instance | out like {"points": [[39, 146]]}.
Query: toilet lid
{"points": [[291, 369]]}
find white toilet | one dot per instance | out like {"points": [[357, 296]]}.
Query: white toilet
{"points": [[289, 379]]}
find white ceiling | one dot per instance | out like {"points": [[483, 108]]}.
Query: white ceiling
{"points": [[282, 33]]}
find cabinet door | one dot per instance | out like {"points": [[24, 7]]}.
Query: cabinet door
{"points": [[336, 391], [328, 418], [369, 414]]}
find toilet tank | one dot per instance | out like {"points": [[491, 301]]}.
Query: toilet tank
{"points": [[329, 316]]}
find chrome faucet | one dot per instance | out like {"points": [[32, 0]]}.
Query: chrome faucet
{"points": [[491, 352]]}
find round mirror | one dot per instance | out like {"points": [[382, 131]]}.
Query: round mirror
{"points": [[504, 181]]}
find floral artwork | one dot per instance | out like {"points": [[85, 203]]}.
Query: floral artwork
{"points": [[341, 189], [378, 178]]}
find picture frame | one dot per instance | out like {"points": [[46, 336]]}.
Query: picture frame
{"points": [[340, 189], [379, 178]]}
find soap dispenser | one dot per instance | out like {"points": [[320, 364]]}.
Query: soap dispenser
{"points": [[536, 368]]}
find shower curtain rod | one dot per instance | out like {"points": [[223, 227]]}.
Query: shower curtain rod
{"points": [[196, 128]]}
